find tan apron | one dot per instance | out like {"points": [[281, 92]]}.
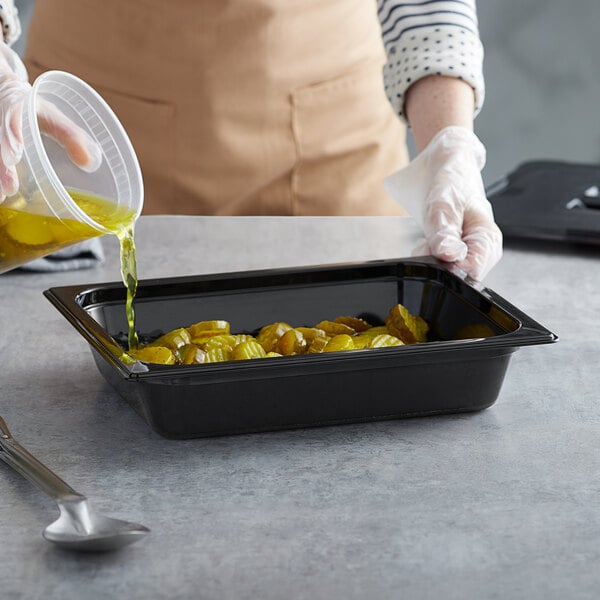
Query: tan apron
{"points": [[246, 107]]}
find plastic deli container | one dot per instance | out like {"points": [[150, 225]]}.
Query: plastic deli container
{"points": [[42, 216], [454, 372]]}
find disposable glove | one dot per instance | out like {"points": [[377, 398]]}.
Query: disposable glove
{"points": [[80, 147], [443, 191]]}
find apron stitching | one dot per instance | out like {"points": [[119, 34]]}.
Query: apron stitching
{"points": [[298, 162]]}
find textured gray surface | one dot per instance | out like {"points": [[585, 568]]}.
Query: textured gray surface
{"points": [[497, 504]]}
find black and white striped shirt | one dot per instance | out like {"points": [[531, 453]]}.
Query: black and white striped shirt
{"points": [[427, 37]]}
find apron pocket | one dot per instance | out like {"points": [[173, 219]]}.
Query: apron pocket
{"points": [[348, 139]]}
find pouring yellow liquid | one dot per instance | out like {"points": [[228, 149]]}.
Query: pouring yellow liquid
{"points": [[26, 234]]}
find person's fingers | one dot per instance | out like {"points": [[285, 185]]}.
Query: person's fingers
{"points": [[12, 138], [443, 223], [11, 62], [9, 184], [462, 230], [484, 241], [13, 88], [11, 105], [80, 147]]}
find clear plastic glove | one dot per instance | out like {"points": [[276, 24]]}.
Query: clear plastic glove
{"points": [[443, 191], [80, 147]]}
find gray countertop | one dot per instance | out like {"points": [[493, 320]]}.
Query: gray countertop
{"points": [[502, 503]]}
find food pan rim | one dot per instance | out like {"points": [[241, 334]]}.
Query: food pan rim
{"points": [[64, 298]]}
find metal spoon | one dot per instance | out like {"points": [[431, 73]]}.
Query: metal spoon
{"points": [[77, 527]]}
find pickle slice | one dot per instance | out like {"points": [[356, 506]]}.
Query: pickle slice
{"points": [[247, 350], [29, 230], [384, 341], [339, 342], [154, 354], [224, 340], [173, 339], [361, 341], [373, 331], [291, 342], [202, 327], [409, 328], [318, 344], [218, 354], [333, 328], [190, 354], [269, 335], [354, 322]]}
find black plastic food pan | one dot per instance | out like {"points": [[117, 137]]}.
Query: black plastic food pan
{"points": [[454, 372]]}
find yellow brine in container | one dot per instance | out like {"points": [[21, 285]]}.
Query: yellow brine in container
{"points": [[27, 232]]}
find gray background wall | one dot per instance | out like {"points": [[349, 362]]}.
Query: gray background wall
{"points": [[542, 70]]}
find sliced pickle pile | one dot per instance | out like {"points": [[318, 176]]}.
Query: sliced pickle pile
{"points": [[212, 341]]}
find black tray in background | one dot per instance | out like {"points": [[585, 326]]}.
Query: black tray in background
{"points": [[456, 371], [549, 200]]}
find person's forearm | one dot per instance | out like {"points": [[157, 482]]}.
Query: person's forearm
{"points": [[435, 102]]}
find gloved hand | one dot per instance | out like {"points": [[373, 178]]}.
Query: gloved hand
{"points": [[80, 147], [443, 191]]}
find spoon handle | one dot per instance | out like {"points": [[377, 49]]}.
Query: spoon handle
{"points": [[15, 455]]}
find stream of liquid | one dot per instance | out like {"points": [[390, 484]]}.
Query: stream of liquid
{"points": [[26, 233], [129, 276]]}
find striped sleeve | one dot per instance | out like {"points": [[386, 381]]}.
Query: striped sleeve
{"points": [[9, 21], [430, 37]]}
